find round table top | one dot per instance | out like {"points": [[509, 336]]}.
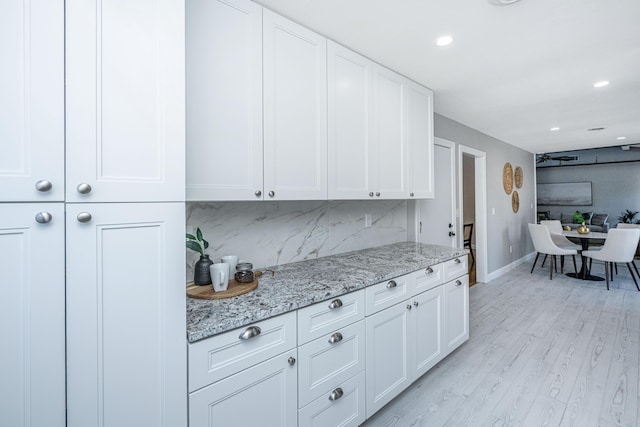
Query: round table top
{"points": [[590, 235]]}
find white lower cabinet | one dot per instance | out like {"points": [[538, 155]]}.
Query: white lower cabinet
{"points": [[263, 395], [429, 331], [32, 371], [456, 297]]}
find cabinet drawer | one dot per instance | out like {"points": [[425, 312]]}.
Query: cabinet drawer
{"points": [[455, 268], [220, 356], [330, 360], [263, 395], [388, 293], [328, 316], [345, 411], [429, 278]]}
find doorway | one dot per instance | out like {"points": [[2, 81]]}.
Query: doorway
{"points": [[472, 200]]}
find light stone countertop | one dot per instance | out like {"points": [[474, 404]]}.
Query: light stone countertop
{"points": [[303, 283]]}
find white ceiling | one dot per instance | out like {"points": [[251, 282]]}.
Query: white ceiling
{"points": [[512, 72]]}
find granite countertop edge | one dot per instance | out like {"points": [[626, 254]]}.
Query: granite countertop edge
{"points": [[300, 284]]}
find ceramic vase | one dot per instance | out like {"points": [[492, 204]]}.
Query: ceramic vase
{"points": [[201, 273]]}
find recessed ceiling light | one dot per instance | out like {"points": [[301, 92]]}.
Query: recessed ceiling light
{"points": [[620, 138], [601, 84], [553, 129], [444, 40], [503, 2]]}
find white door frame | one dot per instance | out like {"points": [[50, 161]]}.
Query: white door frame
{"points": [[480, 164], [413, 233]]}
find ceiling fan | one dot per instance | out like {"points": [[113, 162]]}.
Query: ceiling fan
{"points": [[546, 157]]}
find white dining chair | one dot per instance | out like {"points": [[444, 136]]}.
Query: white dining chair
{"points": [[620, 246], [555, 228], [541, 238]]}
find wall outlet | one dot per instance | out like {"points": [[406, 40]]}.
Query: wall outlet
{"points": [[367, 221], [493, 211]]}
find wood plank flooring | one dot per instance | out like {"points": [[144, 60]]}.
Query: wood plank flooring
{"points": [[542, 352]]}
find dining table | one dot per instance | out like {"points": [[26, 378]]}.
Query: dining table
{"points": [[585, 241]]}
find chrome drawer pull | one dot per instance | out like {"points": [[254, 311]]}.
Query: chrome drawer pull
{"points": [[291, 361], [457, 261], [415, 303], [336, 394], [43, 217], [458, 283], [391, 284], [337, 337], [408, 306], [43, 185], [429, 270], [250, 332], [336, 303]]}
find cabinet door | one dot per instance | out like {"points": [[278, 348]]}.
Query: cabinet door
{"points": [[389, 360], [263, 395], [295, 111], [224, 100], [126, 344], [390, 154], [32, 100], [456, 309], [419, 134], [429, 319], [349, 123], [125, 100], [32, 389]]}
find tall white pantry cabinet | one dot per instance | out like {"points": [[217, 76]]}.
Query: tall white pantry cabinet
{"points": [[92, 300]]}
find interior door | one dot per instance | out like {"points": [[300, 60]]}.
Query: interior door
{"points": [[436, 217]]}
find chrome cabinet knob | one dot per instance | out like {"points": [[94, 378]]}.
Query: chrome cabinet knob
{"points": [[377, 194], [272, 193], [291, 361], [429, 270], [83, 188], [44, 185], [391, 284], [457, 261], [408, 306], [371, 194], [336, 303], [43, 217], [250, 332], [84, 217], [415, 303], [335, 338], [458, 283], [411, 194], [336, 394], [258, 193]]}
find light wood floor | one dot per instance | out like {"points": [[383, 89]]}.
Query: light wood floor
{"points": [[542, 352]]}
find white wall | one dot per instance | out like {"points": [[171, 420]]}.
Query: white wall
{"points": [[614, 187]]}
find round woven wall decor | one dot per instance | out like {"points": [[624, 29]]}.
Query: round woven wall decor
{"points": [[507, 178], [518, 176], [515, 202]]}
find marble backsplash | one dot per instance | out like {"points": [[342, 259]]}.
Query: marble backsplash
{"points": [[272, 233]]}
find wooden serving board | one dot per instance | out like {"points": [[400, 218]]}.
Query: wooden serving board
{"points": [[207, 292]]}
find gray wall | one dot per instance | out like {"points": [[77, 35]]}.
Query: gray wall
{"points": [[614, 187], [504, 228]]}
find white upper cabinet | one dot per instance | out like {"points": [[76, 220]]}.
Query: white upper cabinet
{"points": [[350, 108], [125, 100], [419, 134], [295, 111], [390, 147], [224, 100], [32, 100]]}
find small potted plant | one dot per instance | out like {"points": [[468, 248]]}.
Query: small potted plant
{"points": [[197, 243], [629, 217]]}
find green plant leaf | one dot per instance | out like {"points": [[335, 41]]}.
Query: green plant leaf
{"points": [[206, 244], [199, 233], [195, 246], [191, 237]]}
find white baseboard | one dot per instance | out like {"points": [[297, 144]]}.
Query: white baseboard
{"points": [[497, 273]]}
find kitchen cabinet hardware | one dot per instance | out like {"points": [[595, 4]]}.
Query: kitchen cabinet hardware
{"points": [[336, 394], [371, 194], [43, 217], [391, 284], [44, 185], [291, 361], [415, 303], [258, 193], [458, 283], [377, 194], [411, 194], [84, 217], [272, 193], [83, 188], [408, 306], [250, 332], [457, 261], [451, 234], [336, 303], [335, 338], [429, 270]]}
